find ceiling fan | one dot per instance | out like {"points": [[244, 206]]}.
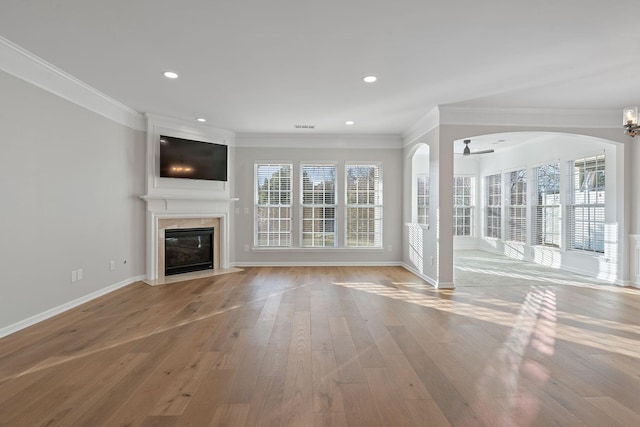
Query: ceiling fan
{"points": [[467, 151]]}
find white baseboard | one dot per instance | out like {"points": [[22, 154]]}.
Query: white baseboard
{"points": [[427, 279], [316, 264], [8, 330]]}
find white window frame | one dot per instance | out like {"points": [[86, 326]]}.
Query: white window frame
{"points": [[422, 198], [586, 207], [466, 220], [493, 206], [517, 209], [278, 234], [364, 236], [546, 212], [327, 237]]}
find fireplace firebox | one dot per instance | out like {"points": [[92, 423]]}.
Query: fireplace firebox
{"points": [[188, 249]]}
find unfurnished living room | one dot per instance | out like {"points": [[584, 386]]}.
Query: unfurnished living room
{"points": [[300, 213]]}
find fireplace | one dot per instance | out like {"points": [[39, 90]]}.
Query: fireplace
{"points": [[188, 249], [177, 212]]}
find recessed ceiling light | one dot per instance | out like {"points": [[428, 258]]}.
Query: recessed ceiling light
{"points": [[349, 122], [170, 75], [201, 120], [370, 79]]}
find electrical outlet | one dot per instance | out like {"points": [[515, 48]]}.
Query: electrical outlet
{"points": [[80, 274], [112, 265], [246, 248], [246, 211], [390, 248], [74, 276], [237, 211]]}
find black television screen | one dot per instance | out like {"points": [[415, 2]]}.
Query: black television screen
{"points": [[186, 158]]}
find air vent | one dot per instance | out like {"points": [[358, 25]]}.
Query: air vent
{"points": [[304, 126]]}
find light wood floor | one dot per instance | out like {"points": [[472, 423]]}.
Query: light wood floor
{"points": [[333, 346]]}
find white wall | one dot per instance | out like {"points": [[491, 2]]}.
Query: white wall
{"points": [[253, 148], [420, 249], [69, 186]]}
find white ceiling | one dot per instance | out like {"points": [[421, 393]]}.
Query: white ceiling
{"points": [[263, 66]]}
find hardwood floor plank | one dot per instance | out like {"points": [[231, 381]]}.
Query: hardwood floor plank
{"points": [[368, 352], [388, 400], [514, 344], [623, 415], [359, 406], [297, 395], [411, 387], [266, 405], [348, 364], [212, 393], [330, 420], [247, 372], [88, 395], [338, 326], [327, 396], [448, 398], [230, 414], [115, 395], [160, 421], [425, 412], [184, 386]]}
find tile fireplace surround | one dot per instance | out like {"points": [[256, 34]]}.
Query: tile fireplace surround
{"points": [[164, 212]]}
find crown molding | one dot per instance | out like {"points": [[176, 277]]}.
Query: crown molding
{"points": [[330, 141], [521, 117], [426, 124], [155, 121], [26, 66], [534, 117]]}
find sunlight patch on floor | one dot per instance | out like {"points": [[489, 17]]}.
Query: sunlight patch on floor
{"points": [[600, 340]]}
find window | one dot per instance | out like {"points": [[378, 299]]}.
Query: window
{"points": [[494, 206], [423, 199], [586, 206], [363, 190], [546, 210], [318, 205], [463, 187], [273, 205], [517, 206]]}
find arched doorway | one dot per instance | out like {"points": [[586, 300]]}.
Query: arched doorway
{"points": [[544, 197]]}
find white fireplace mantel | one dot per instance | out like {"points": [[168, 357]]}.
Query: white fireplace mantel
{"points": [[181, 207], [197, 201]]}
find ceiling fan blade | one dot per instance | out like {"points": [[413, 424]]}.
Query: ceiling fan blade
{"points": [[490, 150], [467, 151]]}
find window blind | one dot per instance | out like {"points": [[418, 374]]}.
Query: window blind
{"points": [[517, 214], [423, 199], [463, 205], [273, 205], [546, 210], [318, 205], [363, 202], [493, 213], [586, 210]]}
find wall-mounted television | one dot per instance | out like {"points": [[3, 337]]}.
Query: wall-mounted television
{"points": [[186, 158]]}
